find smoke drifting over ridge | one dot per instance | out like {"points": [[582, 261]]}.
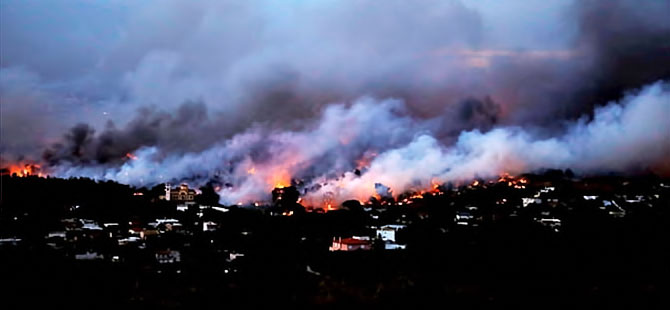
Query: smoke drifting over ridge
{"points": [[628, 136], [409, 93]]}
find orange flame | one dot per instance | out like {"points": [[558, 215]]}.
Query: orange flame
{"points": [[24, 170], [131, 156], [513, 181], [280, 179], [417, 196], [280, 185]]}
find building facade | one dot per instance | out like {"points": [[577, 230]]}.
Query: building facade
{"points": [[180, 193]]}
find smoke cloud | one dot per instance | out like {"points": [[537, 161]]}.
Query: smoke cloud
{"points": [[339, 96], [630, 135]]}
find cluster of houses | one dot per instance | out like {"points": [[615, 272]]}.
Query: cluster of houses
{"points": [[88, 239]]}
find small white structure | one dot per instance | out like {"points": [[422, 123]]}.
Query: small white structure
{"points": [[637, 199], [388, 232], [614, 209], [57, 234], [165, 221], [89, 256], [90, 225], [131, 239], [233, 256], [545, 190], [221, 209], [552, 223], [12, 241], [394, 246], [168, 257], [463, 218], [528, 201], [210, 226]]}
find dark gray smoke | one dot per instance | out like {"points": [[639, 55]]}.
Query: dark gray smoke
{"points": [[182, 131], [627, 44]]}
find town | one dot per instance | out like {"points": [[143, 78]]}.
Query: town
{"points": [[174, 246]]}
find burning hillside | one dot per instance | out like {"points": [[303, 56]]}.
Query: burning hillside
{"points": [[376, 113], [373, 149], [23, 170]]}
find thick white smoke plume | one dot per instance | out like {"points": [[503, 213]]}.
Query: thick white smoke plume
{"points": [[631, 135], [404, 153]]}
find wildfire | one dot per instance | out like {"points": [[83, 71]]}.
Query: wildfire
{"points": [[280, 179], [24, 170], [251, 171], [416, 196], [519, 183], [435, 190], [131, 156]]}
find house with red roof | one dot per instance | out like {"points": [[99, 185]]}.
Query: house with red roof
{"points": [[350, 244]]}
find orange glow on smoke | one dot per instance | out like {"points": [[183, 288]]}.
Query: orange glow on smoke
{"points": [[280, 179], [131, 156], [251, 171], [366, 160]]}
